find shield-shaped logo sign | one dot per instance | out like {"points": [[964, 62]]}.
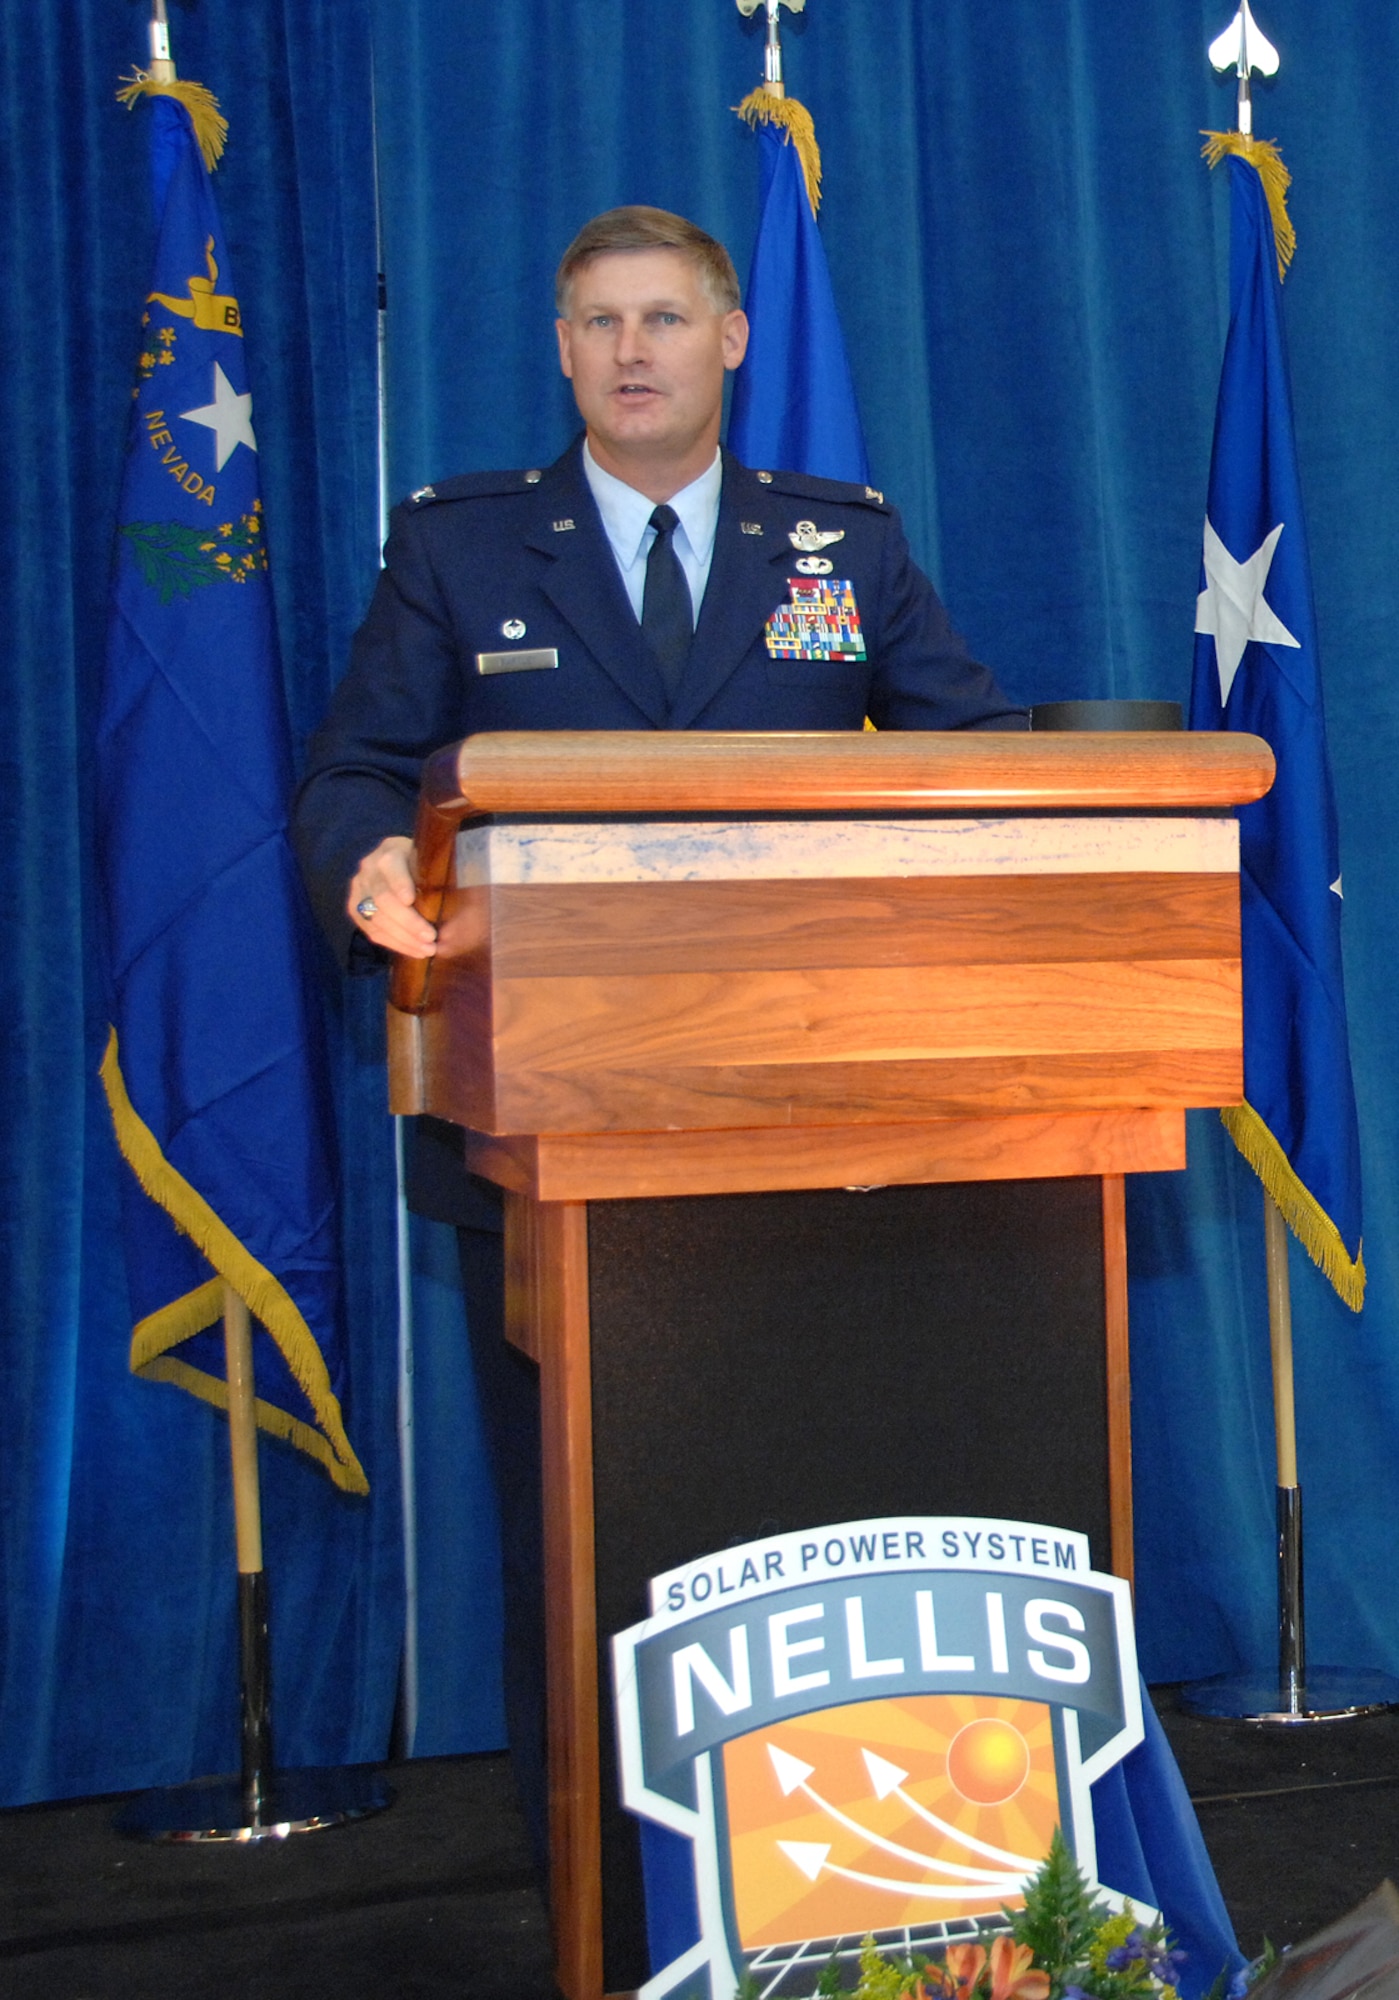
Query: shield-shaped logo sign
{"points": [[873, 1727]]}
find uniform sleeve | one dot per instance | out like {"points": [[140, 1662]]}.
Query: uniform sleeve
{"points": [[401, 699], [924, 677]]}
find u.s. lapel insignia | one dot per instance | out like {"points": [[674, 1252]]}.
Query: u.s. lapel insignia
{"points": [[751, 527], [807, 537], [815, 565], [822, 622]]}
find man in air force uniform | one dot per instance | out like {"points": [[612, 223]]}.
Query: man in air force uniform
{"points": [[644, 581], [552, 600]]}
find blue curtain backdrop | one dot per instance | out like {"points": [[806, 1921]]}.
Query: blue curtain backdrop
{"points": [[117, 1654], [1030, 262]]}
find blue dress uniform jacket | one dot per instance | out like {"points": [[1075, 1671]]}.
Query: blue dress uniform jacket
{"points": [[484, 571], [518, 563]]}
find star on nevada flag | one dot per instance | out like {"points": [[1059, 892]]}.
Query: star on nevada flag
{"points": [[229, 417]]}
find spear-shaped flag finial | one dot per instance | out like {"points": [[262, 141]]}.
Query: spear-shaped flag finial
{"points": [[1243, 48]]}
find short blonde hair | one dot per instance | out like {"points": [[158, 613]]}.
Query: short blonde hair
{"points": [[640, 228]]}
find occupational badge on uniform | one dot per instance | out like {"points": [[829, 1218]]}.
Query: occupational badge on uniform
{"points": [[815, 565], [809, 538], [822, 622], [513, 628]]}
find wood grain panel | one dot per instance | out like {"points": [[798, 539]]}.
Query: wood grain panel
{"points": [[857, 1093], [857, 1013], [647, 771], [1119, 1373], [459, 1025], [546, 930], [559, 1287], [630, 1165]]}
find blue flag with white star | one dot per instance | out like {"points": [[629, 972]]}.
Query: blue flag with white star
{"points": [[793, 398], [214, 1067], [1256, 669]]}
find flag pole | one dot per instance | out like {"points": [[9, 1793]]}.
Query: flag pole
{"points": [[260, 1805], [254, 1674], [1323, 1694]]}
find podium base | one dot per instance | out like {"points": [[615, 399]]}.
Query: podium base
{"points": [[296, 1802], [1329, 1694]]}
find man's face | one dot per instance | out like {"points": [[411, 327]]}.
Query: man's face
{"points": [[646, 354]]}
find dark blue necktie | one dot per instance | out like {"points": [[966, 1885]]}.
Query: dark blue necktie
{"points": [[667, 615]]}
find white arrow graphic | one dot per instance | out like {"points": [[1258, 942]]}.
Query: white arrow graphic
{"points": [[810, 1857], [792, 1775], [887, 1777]]}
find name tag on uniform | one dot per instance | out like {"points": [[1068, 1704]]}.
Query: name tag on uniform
{"points": [[822, 622], [518, 663]]}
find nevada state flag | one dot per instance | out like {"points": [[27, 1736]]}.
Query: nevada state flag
{"points": [[214, 1067]]}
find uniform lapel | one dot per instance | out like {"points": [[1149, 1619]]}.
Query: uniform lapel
{"points": [[744, 585], [584, 587]]}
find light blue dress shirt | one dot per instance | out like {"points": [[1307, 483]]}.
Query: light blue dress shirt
{"points": [[626, 518]]}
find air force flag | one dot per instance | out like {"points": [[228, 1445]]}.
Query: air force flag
{"points": [[1256, 669], [793, 399]]}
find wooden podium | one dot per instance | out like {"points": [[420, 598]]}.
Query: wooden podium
{"points": [[812, 1066]]}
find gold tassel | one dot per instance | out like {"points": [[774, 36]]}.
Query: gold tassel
{"points": [[1302, 1212], [210, 125], [263, 1294], [1263, 155], [763, 107]]}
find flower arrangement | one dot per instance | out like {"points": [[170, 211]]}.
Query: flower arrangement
{"points": [[1061, 1946]]}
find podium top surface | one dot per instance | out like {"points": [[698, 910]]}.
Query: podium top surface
{"points": [[620, 771]]}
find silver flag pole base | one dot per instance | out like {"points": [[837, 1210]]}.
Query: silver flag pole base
{"points": [[1328, 1694], [292, 1802]]}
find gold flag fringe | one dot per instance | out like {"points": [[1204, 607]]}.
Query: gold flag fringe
{"points": [[1302, 1212], [210, 125], [762, 107], [1262, 155], [265, 1296]]}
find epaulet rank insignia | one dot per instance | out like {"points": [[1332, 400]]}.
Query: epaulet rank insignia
{"points": [[807, 486], [474, 486]]}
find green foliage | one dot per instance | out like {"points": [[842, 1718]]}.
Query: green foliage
{"points": [[748, 1988], [172, 559], [879, 1980], [175, 560], [1059, 1918], [830, 1981], [1076, 1950]]}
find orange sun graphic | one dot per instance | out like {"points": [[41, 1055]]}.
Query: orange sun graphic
{"points": [[886, 1813]]}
